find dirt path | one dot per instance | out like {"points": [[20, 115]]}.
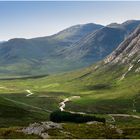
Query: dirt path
{"points": [[113, 121], [124, 115], [30, 93], [62, 104]]}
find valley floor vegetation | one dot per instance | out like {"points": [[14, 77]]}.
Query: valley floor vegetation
{"points": [[104, 97]]}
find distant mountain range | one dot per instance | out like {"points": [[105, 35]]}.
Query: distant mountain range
{"points": [[38, 55], [72, 48]]}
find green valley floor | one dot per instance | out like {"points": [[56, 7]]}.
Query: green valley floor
{"points": [[26, 101]]}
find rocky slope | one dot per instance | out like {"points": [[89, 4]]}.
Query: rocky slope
{"points": [[127, 55], [128, 51], [41, 128]]}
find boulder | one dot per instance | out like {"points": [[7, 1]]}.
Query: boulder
{"points": [[41, 128]]}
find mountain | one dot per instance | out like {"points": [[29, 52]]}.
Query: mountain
{"points": [[73, 48], [74, 33], [22, 56], [99, 44]]}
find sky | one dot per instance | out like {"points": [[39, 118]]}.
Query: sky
{"points": [[28, 19]]}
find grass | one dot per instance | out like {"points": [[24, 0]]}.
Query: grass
{"points": [[93, 131], [13, 133], [15, 114], [100, 90], [83, 131]]}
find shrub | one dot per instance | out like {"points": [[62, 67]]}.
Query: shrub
{"points": [[61, 116]]}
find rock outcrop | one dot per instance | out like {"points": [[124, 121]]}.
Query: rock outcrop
{"points": [[41, 129], [128, 51]]}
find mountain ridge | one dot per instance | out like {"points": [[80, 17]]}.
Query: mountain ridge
{"points": [[101, 43], [60, 52]]}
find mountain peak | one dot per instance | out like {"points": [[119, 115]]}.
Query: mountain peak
{"points": [[130, 22], [113, 25], [17, 39]]}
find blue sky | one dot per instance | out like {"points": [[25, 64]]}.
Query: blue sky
{"points": [[34, 19]]}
